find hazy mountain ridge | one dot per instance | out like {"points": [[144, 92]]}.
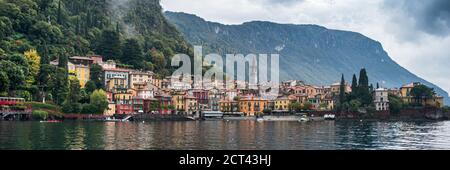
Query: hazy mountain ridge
{"points": [[307, 52]]}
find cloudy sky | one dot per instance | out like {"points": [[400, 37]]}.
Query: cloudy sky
{"points": [[415, 33]]}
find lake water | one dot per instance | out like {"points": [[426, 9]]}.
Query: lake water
{"points": [[219, 135]]}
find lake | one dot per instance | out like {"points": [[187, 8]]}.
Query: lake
{"points": [[225, 135]]}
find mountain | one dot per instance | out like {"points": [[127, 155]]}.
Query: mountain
{"points": [[311, 53]]}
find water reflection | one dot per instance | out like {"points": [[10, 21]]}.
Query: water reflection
{"points": [[218, 135]]}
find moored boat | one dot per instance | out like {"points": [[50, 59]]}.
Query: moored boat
{"points": [[329, 117]]}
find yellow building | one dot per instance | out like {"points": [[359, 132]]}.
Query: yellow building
{"points": [[83, 74], [252, 106], [116, 83], [111, 110], [405, 94], [123, 97], [282, 103], [178, 101]]}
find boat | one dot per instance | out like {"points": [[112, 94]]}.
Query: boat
{"points": [[303, 119], [260, 119], [329, 117], [51, 121]]}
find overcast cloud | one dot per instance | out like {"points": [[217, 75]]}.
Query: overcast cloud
{"points": [[415, 33]]}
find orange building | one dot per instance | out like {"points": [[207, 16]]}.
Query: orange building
{"points": [[252, 106]]}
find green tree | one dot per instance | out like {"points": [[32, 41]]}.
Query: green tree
{"points": [[158, 60], [421, 93], [90, 87], [307, 106], [354, 105], [61, 86], [15, 75], [354, 85], [63, 61], [6, 28], [132, 54], [364, 93], [100, 101], [96, 75], [395, 104], [4, 82], [109, 45], [60, 13], [46, 80], [341, 93], [74, 90]]}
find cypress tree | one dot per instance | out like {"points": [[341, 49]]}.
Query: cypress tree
{"points": [[342, 93], [363, 88], [354, 85], [63, 61], [59, 17]]}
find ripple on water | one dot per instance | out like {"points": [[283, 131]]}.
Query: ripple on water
{"points": [[217, 135]]}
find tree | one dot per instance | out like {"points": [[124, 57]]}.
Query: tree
{"points": [[34, 62], [63, 61], [100, 101], [158, 59], [74, 90], [364, 93], [395, 104], [354, 85], [307, 106], [59, 14], [341, 93], [354, 105], [4, 82], [421, 93], [15, 75], [46, 80], [61, 86], [132, 54], [109, 45], [96, 75], [6, 28], [90, 87]]}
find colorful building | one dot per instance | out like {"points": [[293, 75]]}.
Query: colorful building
{"points": [[165, 103], [282, 103], [115, 73], [138, 77], [252, 106]]}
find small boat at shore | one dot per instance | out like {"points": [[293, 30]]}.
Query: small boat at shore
{"points": [[329, 117], [51, 121], [260, 119], [303, 119]]}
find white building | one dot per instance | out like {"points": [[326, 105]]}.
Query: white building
{"points": [[381, 99]]}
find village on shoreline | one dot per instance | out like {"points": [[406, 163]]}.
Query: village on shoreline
{"points": [[127, 93]]}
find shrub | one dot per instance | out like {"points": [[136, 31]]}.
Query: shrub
{"points": [[71, 108], [88, 109], [39, 115], [37, 105]]}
